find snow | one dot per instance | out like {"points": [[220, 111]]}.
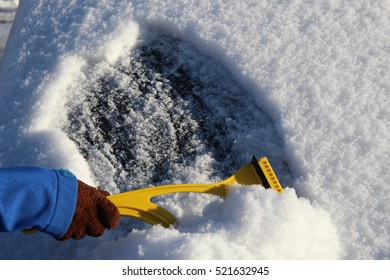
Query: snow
{"points": [[130, 94]]}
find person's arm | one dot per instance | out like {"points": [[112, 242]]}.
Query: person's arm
{"points": [[54, 202], [32, 197]]}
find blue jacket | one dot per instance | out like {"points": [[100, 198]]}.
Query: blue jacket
{"points": [[37, 197]]}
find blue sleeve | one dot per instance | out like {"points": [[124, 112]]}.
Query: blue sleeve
{"points": [[37, 197]]}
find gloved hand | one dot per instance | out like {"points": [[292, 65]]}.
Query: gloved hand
{"points": [[94, 213]]}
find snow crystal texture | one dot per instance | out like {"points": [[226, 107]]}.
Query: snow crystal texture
{"points": [[129, 94]]}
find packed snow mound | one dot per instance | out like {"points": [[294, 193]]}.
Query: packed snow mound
{"points": [[313, 75], [252, 223]]}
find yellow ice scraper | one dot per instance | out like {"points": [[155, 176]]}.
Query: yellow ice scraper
{"points": [[137, 203]]}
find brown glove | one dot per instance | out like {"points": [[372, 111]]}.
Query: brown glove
{"points": [[94, 212]]}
